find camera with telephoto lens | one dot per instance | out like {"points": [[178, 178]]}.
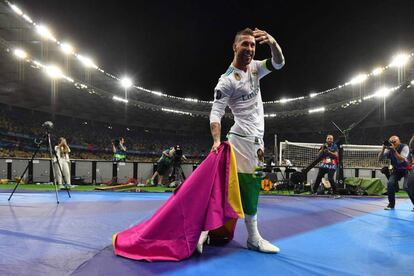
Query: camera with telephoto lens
{"points": [[325, 148], [387, 144], [178, 154], [48, 125]]}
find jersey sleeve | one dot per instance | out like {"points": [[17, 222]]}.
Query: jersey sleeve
{"points": [[222, 94], [267, 66]]}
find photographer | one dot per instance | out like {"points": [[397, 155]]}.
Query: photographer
{"points": [[62, 151], [398, 153], [329, 156], [119, 150], [410, 182]]}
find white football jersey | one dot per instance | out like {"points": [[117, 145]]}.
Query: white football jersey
{"points": [[241, 92]]}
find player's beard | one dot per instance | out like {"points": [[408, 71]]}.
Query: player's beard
{"points": [[245, 58]]}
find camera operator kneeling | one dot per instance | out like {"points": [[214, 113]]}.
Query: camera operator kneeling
{"points": [[398, 153], [171, 157], [329, 160]]}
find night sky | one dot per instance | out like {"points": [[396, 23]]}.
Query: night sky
{"points": [[182, 47]]}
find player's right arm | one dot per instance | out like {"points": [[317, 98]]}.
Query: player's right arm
{"points": [[215, 133], [222, 94]]}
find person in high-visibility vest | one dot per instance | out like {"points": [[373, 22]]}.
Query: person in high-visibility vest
{"points": [[119, 149]]}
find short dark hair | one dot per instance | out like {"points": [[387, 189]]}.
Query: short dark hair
{"points": [[246, 31]]}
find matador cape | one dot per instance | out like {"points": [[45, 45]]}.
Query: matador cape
{"points": [[209, 200]]}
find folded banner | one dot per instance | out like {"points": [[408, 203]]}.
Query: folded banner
{"points": [[208, 200]]}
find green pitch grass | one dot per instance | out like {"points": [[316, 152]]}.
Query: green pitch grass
{"points": [[88, 188]]}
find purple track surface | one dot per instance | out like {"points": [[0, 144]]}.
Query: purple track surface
{"points": [[317, 236]]}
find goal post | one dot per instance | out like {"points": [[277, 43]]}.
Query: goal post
{"points": [[355, 156]]}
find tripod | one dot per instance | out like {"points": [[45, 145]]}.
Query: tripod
{"points": [[44, 139], [177, 174]]}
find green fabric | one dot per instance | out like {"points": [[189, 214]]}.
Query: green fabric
{"points": [[372, 186], [164, 159], [249, 192], [119, 156]]}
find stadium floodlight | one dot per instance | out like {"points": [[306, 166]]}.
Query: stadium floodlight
{"points": [[27, 18], [176, 111], [369, 97], [67, 48], [399, 60], [19, 53], [382, 92], [319, 109], [157, 93], [190, 100], [283, 100], [126, 82], [119, 99], [69, 79], [16, 9], [377, 71], [412, 82], [38, 64], [271, 115], [313, 95], [44, 32], [53, 72], [87, 62], [359, 79]]}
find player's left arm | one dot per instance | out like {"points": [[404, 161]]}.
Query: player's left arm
{"points": [[277, 60]]}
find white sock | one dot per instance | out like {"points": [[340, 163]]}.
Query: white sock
{"points": [[251, 225], [203, 237], [201, 240]]}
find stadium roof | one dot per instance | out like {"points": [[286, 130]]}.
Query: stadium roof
{"points": [[80, 88]]}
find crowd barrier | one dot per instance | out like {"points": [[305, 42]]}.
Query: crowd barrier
{"points": [[87, 171], [98, 171]]}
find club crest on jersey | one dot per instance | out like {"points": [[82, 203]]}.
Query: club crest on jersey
{"points": [[237, 76], [254, 72]]}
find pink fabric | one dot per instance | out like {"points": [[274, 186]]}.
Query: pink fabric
{"points": [[172, 233]]}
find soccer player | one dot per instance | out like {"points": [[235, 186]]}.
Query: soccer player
{"points": [[239, 88]]}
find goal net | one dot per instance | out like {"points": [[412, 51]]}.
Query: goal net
{"points": [[355, 156]]}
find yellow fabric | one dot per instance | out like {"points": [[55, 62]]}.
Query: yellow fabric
{"points": [[114, 239], [234, 198]]}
